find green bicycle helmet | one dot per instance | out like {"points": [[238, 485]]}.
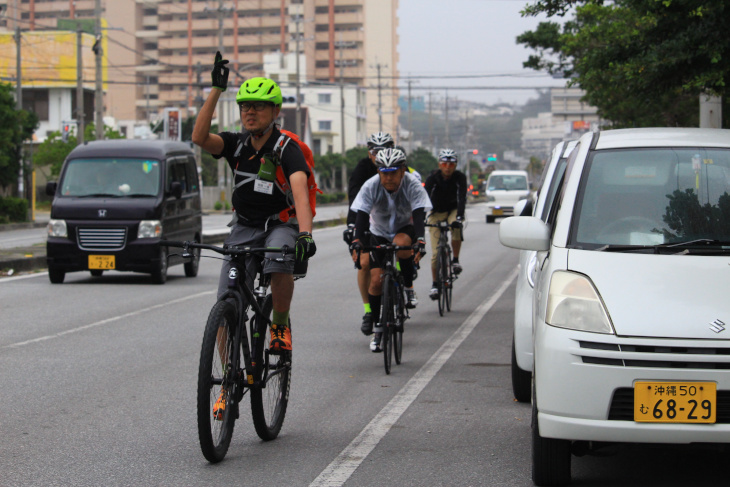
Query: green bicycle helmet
{"points": [[259, 89]]}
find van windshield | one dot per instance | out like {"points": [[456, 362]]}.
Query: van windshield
{"points": [[508, 183], [111, 177]]}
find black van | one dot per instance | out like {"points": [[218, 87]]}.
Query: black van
{"points": [[115, 200]]}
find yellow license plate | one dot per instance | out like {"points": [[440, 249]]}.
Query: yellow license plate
{"points": [[497, 211], [101, 262], [675, 402]]}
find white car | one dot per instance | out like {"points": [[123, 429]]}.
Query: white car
{"points": [[504, 190], [631, 315], [550, 183]]}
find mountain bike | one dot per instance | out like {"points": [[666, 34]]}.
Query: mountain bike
{"points": [[235, 358], [393, 312], [445, 276]]}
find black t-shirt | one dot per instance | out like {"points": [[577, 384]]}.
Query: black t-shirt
{"points": [[447, 194], [364, 170], [255, 207]]}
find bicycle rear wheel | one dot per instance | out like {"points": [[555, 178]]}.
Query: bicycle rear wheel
{"points": [[387, 321], [273, 373], [216, 382], [400, 319]]}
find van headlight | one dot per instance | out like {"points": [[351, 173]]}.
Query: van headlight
{"points": [[57, 228], [573, 303], [149, 229]]}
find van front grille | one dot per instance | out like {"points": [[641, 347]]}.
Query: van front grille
{"points": [[103, 239]]}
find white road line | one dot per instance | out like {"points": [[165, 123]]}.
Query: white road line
{"points": [[105, 322], [342, 467], [24, 276]]}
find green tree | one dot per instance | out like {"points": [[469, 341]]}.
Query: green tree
{"points": [[53, 151], [15, 127], [422, 161], [641, 62]]}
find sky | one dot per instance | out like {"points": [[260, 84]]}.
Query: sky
{"points": [[467, 38]]}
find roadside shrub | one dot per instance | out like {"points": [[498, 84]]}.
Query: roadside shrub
{"points": [[13, 209]]}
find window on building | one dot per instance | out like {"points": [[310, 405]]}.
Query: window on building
{"points": [[325, 125], [324, 98], [36, 101], [317, 147]]}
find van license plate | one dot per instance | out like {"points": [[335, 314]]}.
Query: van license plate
{"points": [[101, 262], [675, 402], [497, 211]]}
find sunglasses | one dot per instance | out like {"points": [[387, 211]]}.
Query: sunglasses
{"points": [[448, 161], [257, 105], [374, 151]]}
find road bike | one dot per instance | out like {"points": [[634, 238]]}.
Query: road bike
{"points": [[445, 276], [235, 358], [393, 312]]}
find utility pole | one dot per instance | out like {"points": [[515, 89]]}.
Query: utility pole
{"points": [[298, 118], [448, 137], [99, 94], [430, 124], [380, 102], [80, 126], [18, 74], [342, 115], [410, 120]]}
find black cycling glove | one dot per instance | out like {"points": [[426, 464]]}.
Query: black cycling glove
{"points": [[420, 246], [305, 247], [458, 223], [349, 233], [219, 74]]}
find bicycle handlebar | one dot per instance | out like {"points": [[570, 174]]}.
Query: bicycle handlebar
{"points": [[380, 248], [442, 224], [233, 250]]}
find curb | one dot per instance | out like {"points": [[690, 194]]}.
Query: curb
{"points": [[26, 259]]}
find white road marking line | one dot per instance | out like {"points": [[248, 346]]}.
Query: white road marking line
{"points": [[24, 276], [104, 322], [342, 467]]}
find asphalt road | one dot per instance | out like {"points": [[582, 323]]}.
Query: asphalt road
{"points": [[98, 387]]}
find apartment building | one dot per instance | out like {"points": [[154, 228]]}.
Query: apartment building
{"points": [[160, 51]]}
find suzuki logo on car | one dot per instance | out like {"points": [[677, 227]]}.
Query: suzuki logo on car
{"points": [[102, 213], [717, 326]]}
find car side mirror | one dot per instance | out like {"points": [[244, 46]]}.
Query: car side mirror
{"points": [[176, 189], [524, 233], [51, 187]]}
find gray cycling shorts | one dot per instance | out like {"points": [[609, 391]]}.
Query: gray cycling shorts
{"points": [[274, 236]]}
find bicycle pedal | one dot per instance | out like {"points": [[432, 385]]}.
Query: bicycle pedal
{"points": [[378, 329]]}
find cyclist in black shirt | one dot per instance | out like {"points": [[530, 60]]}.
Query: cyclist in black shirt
{"points": [[447, 189], [364, 170], [260, 205]]}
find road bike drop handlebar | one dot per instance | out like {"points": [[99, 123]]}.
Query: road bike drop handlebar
{"points": [[381, 248], [443, 224]]}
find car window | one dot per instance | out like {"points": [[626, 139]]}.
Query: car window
{"points": [[191, 173], [653, 196], [110, 177], [177, 174]]}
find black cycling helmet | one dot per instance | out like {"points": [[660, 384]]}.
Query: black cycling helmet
{"points": [[380, 140], [390, 160]]}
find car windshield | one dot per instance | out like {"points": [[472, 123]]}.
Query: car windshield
{"points": [[508, 183], [650, 197], [111, 177]]}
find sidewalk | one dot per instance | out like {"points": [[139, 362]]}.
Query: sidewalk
{"points": [[215, 230]]}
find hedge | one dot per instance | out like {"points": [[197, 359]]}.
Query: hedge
{"points": [[13, 209]]}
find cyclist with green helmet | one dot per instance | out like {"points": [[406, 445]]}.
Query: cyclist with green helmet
{"points": [[257, 199]]}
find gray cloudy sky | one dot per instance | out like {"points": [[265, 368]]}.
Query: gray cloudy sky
{"points": [[468, 38]]}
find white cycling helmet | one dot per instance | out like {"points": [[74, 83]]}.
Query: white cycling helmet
{"points": [[390, 160], [448, 155], [381, 140]]}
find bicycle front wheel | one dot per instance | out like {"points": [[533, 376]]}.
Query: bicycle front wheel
{"points": [[441, 272], [448, 278], [216, 382], [387, 320], [270, 397]]}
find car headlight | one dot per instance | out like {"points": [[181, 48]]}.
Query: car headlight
{"points": [[149, 229], [57, 228], [573, 303]]}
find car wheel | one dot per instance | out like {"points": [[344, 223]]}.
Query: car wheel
{"points": [[490, 219], [550, 457], [521, 379], [56, 276], [97, 272], [191, 268], [159, 275]]}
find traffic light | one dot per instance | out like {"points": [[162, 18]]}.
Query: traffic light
{"points": [[65, 130], [475, 151], [492, 157]]}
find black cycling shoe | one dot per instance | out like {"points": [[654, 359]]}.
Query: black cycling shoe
{"points": [[367, 324], [456, 267]]}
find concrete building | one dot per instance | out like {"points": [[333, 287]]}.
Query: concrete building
{"points": [[160, 51]]}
